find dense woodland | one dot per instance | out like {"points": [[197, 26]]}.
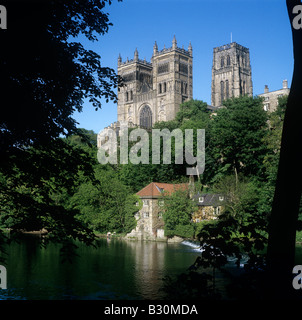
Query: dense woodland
{"points": [[242, 146]]}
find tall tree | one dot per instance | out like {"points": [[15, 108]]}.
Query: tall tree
{"points": [[236, 137], [285, 209], [45, 77]]}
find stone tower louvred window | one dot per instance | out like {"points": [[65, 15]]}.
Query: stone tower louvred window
{"points": [[227, 90], [145, 119], [221, 92], [228, 61]]}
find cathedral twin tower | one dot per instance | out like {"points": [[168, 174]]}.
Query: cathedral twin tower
{"points": [[153, 91]]}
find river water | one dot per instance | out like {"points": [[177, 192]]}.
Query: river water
{"points": [[115, 270]]}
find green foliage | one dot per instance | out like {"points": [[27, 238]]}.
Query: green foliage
{"points": [[54, 75], [236, 135], [178, 209], [105, 204], [49, 82]]}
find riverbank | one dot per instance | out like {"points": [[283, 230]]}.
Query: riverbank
{"points": [[123, 236]]}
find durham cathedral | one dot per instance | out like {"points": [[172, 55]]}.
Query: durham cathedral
{"points": [[153, 91]]}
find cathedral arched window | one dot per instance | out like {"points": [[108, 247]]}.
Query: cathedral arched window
{"points": [[227, 89], [145, 118], [221, 92], [228, 60], [222, 62]]}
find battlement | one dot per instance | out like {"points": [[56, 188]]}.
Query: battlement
{"points": [[229, 46], [156, 52]]}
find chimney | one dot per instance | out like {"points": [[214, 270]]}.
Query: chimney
{"points": [[266, 89], [285, 84]]}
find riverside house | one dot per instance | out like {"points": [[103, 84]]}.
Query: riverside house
{"points": [[210, 206], [149, 218]]}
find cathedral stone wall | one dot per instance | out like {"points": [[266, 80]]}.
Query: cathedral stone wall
{"points": [[153, 91], [231, 73]]}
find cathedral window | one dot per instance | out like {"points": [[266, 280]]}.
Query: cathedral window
{"points": [[162, 68], [145, 119], [183, 68], [127, 96], [221, 92], [228, 61], [222, 62], [164, 87], [227, 89], [160, 88]]}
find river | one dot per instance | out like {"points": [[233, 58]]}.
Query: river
{"points": [[115, 270]]}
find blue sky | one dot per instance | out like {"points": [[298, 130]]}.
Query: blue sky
{"points": [[261, 25]]}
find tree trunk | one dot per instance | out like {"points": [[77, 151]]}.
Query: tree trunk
{"points": [[285, 209]]}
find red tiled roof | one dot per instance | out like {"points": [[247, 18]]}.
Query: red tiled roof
{"points": [[154, 189]]}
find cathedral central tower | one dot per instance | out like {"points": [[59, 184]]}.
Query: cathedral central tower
{"points": [[231, 73]]}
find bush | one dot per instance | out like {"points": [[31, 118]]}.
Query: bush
{"points": [[185, 231]]}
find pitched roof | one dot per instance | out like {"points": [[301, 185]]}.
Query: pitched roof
{"points": [[155, 189], [209, 199]]}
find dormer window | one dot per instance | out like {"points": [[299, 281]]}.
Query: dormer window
{"points": [[201, 199], [221, 198]]}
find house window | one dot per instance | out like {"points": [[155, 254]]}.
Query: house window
{"points": [[197, 220], [216, 210], [145, 202], [201, 199], [160, 215], [161, 203], [146, 214], [221, 198]]}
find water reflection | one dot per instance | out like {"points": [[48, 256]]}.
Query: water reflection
{"points": [[116, 269]]}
